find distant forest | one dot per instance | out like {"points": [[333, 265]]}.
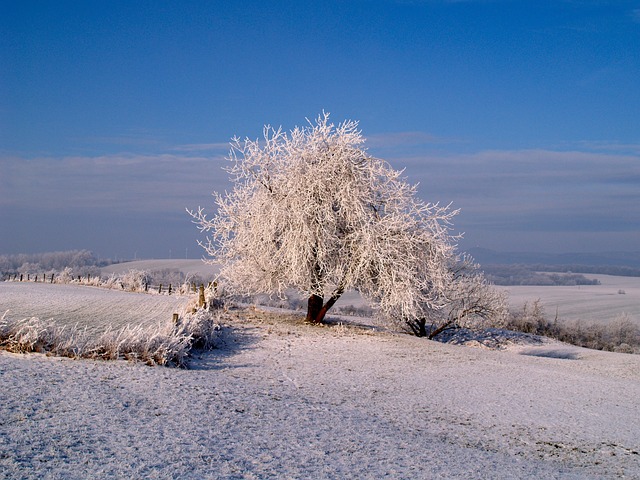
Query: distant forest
{"points": [[526, 268], [82, 262], [531, 275], [618, 270]]}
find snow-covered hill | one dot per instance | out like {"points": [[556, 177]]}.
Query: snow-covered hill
{"points": [[280, 399]]}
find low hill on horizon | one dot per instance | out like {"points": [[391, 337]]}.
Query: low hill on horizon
{"points": [[629, 260]]}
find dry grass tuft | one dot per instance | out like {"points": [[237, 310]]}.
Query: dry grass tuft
{"points": [[621, 335], [167, 344]]}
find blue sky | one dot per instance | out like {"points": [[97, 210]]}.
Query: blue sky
{"points": [[115, 116]]}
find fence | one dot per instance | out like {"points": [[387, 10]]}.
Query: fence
{"points": [[80, 279], [20, 277]]}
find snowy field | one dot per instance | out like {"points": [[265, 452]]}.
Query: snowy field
{"points": [[592, 303], [288, 400], [86, 306]]}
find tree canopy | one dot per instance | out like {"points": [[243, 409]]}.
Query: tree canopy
{"points": [[313, 211]]}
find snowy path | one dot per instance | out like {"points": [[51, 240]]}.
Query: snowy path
{"points": [[295, 401]]}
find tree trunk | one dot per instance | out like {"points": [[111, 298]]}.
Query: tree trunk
{"points": [[433, 334], [314, 307], [418, 327], [316, 311], [334, 298]]}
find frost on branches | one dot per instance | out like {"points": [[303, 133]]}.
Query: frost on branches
{"points": [[314, 212], [471, 302]]}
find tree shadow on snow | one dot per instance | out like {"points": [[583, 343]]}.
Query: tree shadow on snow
{"points": [[229, 342], [560, 353]]}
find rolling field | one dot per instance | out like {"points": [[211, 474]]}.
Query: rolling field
{"points": [[281, 398], [592, 303], [90, 307]]}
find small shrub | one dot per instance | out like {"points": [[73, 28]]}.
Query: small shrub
{"points": [[66, 276], [624, 348], [621, 335], [135, 280]]}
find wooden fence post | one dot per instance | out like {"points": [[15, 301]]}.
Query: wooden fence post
{"points": [[160, 289], [169, 289], [201, 299]]}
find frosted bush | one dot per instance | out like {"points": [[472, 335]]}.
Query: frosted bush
{"points": [[621, 335], [113, 282], [21, 336], [166, 344], [472, 302], [66, 276], [135, 280]]}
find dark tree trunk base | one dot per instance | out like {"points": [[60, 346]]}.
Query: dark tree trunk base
{"points": [[314, 309]]}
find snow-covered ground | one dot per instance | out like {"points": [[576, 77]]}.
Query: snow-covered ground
{"points": [[281, 399], [87, 306]]}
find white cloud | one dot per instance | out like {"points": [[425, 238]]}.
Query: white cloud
{"points": [[503, 194], [532, 190]]}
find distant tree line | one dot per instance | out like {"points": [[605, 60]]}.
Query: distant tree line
{"points": [[506, 275], [619, 270], [83, 262]]}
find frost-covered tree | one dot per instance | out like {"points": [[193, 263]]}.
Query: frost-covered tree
{"points": [[471, 302], [313, 211]]}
